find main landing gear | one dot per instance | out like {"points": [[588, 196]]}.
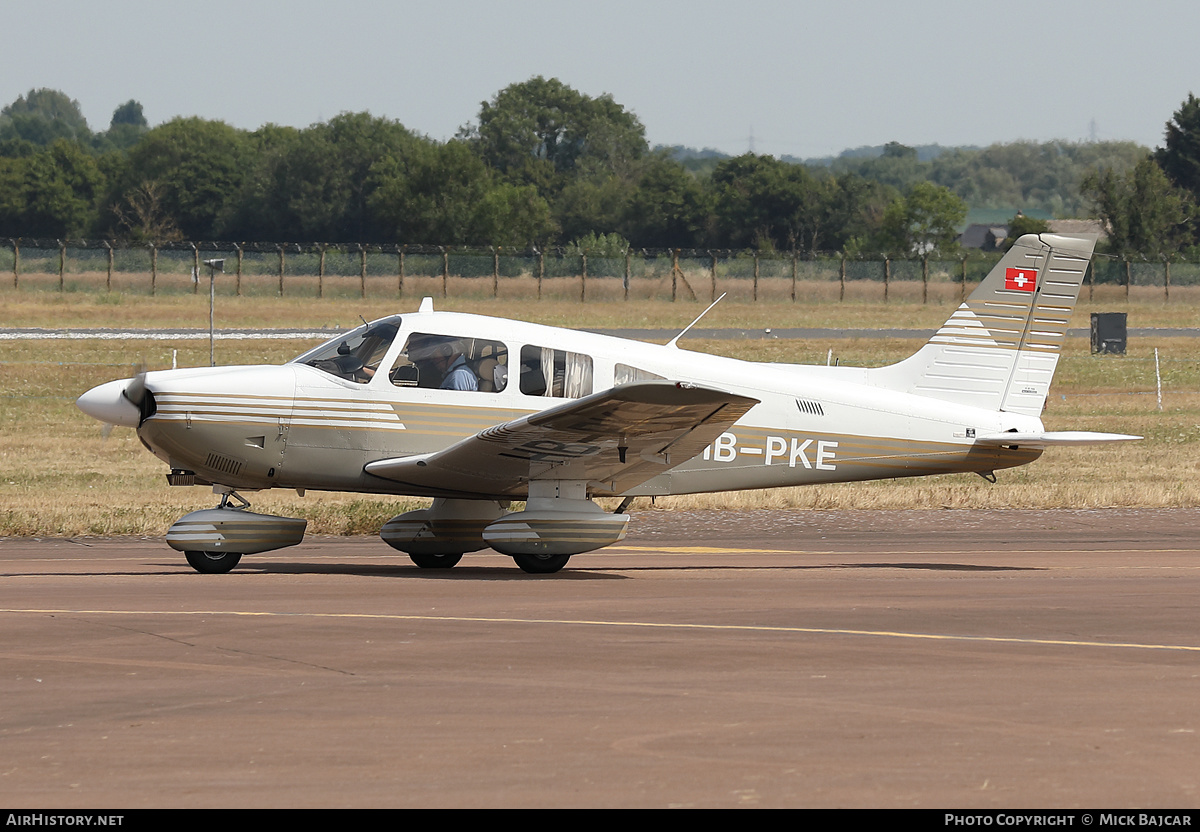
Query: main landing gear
{"points": [[558, 521]]}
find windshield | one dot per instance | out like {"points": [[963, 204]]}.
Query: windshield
{"points": [[355, 355]]}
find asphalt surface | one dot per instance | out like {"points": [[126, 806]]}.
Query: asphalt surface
{"points": [[935, 659]]}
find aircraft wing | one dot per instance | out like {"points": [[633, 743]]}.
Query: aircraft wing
{"points": [[1047, 438], [615, 440]]}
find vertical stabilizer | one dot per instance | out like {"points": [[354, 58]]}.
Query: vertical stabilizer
{"points": [[1000, 348]]}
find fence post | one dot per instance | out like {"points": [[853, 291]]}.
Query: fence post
{"points": [[400, 271], [1128, 276], [925, 279], [280, 248], [712, 292], [1167, 280], [195, 269], [362, 270], [583, 278], [842, 281], [496, 271], [962, 284], [153, 269], [321, 272], [445, 268], [887, 276], [62, 263], [626, 274], [1091, 279], [238, 282], [16, 263], [755, 292], [793, 275], [108, 280]]}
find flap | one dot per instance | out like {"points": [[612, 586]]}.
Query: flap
{"points": [[615, 440]]}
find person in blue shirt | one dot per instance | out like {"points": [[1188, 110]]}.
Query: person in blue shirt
{"points": [[456, 375]]}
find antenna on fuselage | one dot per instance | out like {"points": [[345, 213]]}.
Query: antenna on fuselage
{"points": [[672, 342]]}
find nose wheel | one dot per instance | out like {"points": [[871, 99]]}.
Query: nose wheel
{"points": [[214, 539]]}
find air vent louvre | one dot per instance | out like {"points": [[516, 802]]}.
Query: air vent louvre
{"points": [[223, 464]]}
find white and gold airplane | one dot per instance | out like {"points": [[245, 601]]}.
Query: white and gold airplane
{"points": [[476, 412]]}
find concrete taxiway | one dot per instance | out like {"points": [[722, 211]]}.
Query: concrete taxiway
{"points": [[932, 659]]}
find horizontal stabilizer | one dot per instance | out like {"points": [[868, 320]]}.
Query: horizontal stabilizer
{"points": [[1045, 439]]}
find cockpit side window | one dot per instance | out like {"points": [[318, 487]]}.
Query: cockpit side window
{"points": [[550, 372], [356, 355], [450, 362]]}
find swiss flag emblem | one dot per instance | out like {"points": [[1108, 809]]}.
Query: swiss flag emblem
{"points": [[1023, 280]]}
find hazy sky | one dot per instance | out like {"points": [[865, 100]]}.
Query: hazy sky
{"points": [[803, 78]]}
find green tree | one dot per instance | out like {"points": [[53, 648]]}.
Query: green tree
{"points": [[1145, 214], [198, 166], [923, 221], [1020, 225], [1180, 158], [668, 208], [538, 131], [53, 193], [126, 129], [317, 183], [446, 194], [898, 166], [42, 117], [129, 113], [762, 202]]}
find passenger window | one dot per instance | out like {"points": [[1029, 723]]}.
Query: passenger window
{"points": [[550, 372], [624, 374], [448, 362]]}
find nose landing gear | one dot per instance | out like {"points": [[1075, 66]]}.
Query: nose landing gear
{"points": [[214, 539]]}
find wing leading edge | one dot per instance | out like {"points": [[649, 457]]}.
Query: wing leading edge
{"points": [[615, 440]]}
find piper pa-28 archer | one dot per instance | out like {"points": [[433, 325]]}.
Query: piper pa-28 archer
{"points": [[477, 412]]}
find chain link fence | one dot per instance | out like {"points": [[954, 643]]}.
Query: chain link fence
{"points": [[326, 270]]}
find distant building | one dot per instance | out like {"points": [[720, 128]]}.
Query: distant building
{"points": [[991, 237], [1079, 227], [983, 236]]}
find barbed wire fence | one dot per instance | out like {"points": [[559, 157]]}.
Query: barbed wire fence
{"points": [[360, 270]]}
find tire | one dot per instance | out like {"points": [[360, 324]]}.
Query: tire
{"points": [[541, 564], [213, 563], [436, 561]]}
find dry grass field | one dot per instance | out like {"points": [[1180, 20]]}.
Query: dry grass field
{"points": [[62, 474]]}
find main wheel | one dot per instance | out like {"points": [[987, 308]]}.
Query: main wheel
{"points": [[541, 564], [436, 561], [213, 563]]}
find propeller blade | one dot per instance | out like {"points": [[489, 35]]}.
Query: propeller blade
{"points": [[135, 390]]}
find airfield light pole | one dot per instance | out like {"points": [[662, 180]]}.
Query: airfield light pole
{"points": [[214, 266]]}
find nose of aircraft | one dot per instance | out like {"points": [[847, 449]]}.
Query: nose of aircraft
{"points": [[111, 403]]}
